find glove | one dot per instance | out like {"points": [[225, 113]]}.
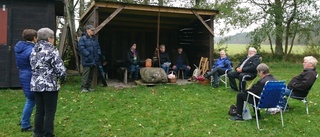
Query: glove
{"points": [[63, 80]]}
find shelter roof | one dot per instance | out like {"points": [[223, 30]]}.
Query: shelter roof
{"points": [[145, 17]]}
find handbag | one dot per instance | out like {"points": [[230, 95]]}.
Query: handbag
{"points": [[232, 110]]}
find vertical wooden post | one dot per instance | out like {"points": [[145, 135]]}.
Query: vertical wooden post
{"points": [[158, 37], [95, 72], [211, 42]]}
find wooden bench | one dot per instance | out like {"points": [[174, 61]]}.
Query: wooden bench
{"points": [[122, 74]]}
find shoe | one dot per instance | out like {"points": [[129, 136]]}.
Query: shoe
{"points": [[206, 75], [84, 90], [236, 118], [90, 89], [28, 129]]}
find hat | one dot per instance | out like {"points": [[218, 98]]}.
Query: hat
{"points": [[90, 27]]}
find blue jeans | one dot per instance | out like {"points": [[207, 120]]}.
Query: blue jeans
{"points": [[27, 111], [287, 92], [134, 71], [165, 67]]}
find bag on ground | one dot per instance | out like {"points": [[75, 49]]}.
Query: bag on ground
{"points": [[232, 110], [246, 115]]}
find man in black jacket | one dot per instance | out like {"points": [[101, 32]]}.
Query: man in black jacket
{"points": [[301, 84], [180, 61], [246, 68], [264, 73]]}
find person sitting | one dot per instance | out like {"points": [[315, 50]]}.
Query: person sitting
{"points": [[133, 60], [181, 61], [219, 67], [301, 84], [164, 58], [264, 73], [247, 67]]}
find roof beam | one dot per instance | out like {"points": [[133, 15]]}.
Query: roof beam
{"points": [[107, 20], [203, 22], [150, 8]]}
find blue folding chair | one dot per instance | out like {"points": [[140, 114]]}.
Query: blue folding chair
{"points": [[271, 97]]}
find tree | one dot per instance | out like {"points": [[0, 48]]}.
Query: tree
{"points": [[279, 21]]}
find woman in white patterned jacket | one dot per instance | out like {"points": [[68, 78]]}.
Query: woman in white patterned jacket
{"points": [[47, 67]]}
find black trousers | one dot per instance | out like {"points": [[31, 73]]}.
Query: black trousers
{"points": [[241, 97], [46, 105], [242, 84]]}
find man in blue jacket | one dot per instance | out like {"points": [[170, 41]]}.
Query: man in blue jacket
{"points": [[219, 67], [90, 52]]}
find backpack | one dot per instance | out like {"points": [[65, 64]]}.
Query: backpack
{"points": [[232, 110]]}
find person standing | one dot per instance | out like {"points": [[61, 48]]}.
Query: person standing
{"points": [[22, 53], [164, 58], [133, 60], [180, 61], [90, 52], [47, 67], [247, 67]]}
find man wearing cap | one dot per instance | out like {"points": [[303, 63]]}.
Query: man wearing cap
{"points": [[90, 52]]}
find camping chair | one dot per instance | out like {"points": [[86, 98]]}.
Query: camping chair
{"points": [[304, 100], [271, 96], [224, 77]]}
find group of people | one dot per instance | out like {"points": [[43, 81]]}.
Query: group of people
{"points": [[298, 86], [245, 70], [249, 67], [180, 61], [40, 67]]}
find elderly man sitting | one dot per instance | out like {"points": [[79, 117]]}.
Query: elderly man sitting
{"points": [[246, 68]]}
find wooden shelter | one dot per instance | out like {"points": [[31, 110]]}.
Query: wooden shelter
{"points": [[15, 16], [119, 25]]}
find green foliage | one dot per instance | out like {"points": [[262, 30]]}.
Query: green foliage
{"points": [[278, 21], [312, 49], [163, 110]]}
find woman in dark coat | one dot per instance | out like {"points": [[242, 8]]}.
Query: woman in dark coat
{"points": [[22, 52], [132, 60]]}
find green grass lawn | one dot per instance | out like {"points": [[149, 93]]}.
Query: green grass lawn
{"points": [[241, 48], [163, 110]]}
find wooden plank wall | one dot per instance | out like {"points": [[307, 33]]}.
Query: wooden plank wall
{"points": [[23, 14]]}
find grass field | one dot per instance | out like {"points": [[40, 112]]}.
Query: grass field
{"points": [[165, 110], [240, 48]]}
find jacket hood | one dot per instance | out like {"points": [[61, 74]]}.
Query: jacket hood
{"points": [[22, 46]]}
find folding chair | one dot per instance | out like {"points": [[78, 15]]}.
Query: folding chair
{"points": [[224, 77], [271, 96], [304, 100]]}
